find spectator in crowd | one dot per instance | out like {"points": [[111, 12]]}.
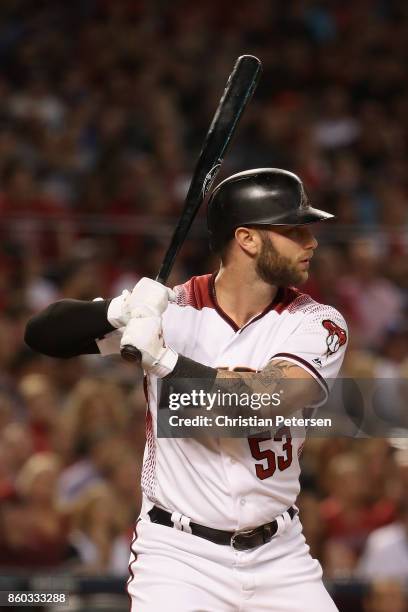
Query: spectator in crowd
{"points": [[40, 401], [18, 549], [92, 406], [386, 551], [18, 445], [34, 530], [101, 544], [97, 454], [378, 304], [386, 595], [123, 477], [348, 513]]}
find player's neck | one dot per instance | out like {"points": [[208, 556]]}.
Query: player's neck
{"points": [[242, 294]]}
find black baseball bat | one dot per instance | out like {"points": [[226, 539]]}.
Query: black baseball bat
{"points": [[238, 91]]}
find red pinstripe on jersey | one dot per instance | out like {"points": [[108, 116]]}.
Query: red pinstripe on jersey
{"points": [[130, 566], [149, 464]]}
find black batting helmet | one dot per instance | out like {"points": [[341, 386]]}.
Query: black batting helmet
{"points": [[265, 196]]}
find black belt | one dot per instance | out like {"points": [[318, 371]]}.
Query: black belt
{"points": [[241, 540]]}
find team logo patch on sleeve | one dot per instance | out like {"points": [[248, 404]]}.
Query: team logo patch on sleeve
{"points": [[336, 338]]}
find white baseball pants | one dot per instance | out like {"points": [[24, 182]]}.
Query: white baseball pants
{"points": [[174, 571]]}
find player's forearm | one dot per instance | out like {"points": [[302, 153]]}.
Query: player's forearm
{"points": [[281, 388], [291, 388], [68, 328], [71, 327]]}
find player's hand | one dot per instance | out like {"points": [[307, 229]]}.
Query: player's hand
{"points": [[145, 333], [148, 298]]}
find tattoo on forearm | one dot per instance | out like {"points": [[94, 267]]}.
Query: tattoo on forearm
{"points": [[273, 372], [266, 379], [277, 376]]}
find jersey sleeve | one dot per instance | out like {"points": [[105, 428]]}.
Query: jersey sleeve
{"points": [[318, 344]]}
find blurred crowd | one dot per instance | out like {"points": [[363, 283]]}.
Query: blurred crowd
{"points": [[103, 109]]}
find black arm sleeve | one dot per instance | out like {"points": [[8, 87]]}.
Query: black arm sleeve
{"points": [[68, 328]]}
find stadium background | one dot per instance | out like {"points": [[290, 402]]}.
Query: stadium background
{"points": [[103, 108]]}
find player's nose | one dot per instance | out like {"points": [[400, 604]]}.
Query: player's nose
{"points": [[309, 240]]}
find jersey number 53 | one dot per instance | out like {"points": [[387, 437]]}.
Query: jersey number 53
{"points": [[273, 461], [270, 460]]}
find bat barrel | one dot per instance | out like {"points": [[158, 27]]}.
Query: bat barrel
{"points": [[238, 91]]}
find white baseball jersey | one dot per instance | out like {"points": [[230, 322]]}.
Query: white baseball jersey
{"points": [[234, 483]]}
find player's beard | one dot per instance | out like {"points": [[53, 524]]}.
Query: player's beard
{"points": [[276, 269]]}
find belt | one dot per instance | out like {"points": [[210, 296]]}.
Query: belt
{"points": [[240, 540]]}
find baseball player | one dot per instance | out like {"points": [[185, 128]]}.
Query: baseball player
{"points": [[219, 529]]}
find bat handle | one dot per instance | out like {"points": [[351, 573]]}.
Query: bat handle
{"points": [[131, 353]]}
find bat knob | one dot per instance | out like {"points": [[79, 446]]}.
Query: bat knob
{"points": [[131, 353]]}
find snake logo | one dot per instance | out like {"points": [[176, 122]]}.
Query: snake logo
{"points": [[336, 338]]}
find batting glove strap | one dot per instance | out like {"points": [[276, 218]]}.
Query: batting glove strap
{"points": [[145, 334], [163, 365]]}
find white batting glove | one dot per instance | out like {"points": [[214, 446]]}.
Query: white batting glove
{"points": [[145, 333], [148, 298]]}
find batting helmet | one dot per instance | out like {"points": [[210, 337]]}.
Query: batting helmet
{"points": [[265, 196]]}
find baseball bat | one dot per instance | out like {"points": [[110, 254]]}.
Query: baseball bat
{"points": [[238, 91]]}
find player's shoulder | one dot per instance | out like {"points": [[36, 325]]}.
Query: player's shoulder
{"points": [[311, 319], [308, 310], [302, 303], [196, 292]]}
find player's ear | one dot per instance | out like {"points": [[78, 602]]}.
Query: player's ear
{"points": [[249, 240]]}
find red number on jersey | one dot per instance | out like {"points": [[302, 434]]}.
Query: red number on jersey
{"points": [[268, 454], [281, 461], [284, 461]]}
